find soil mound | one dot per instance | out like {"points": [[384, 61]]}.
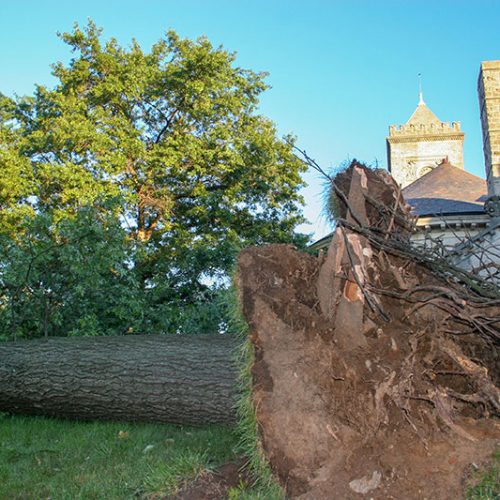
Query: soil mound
{"points": [[375, 375], [215, 485]]}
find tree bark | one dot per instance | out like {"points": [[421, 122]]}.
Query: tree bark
{"points": [[189, 379]]}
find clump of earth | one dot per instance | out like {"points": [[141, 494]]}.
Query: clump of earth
{"points": [[216, 485]]}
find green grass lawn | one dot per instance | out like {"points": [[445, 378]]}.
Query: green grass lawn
{"points": [[47, 458], [43, 458]]}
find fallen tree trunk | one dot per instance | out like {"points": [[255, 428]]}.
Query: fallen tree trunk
{"points": [[155, 378]]}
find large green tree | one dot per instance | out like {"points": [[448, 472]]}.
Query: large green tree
{"points": [[174, 138]]}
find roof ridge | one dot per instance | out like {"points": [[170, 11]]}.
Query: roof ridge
{"points": [[445, 164]]}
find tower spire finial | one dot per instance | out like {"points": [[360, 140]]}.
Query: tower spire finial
{"points": [[420, 93]]}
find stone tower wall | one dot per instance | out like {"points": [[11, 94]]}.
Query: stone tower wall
{"points": [[489, 105], [421, 144], [410, 158]]}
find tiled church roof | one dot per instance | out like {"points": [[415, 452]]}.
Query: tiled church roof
{"points": [[446, 190]]}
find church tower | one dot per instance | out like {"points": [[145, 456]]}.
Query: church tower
{"points": [[415, 148], [489, 104]]}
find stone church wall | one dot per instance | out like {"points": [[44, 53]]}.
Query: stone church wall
{"points": [[411, 160]]}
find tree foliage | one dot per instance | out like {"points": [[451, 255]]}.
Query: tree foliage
{"points": [[67, 279], [166, 145]]}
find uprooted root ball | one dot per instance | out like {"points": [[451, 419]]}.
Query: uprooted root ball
{"points": [[372, 375]]}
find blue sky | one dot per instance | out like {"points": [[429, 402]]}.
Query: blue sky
{"points": [[341, 71]]}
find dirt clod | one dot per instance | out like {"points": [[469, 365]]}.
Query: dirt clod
{"points": [[215, 485]]}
